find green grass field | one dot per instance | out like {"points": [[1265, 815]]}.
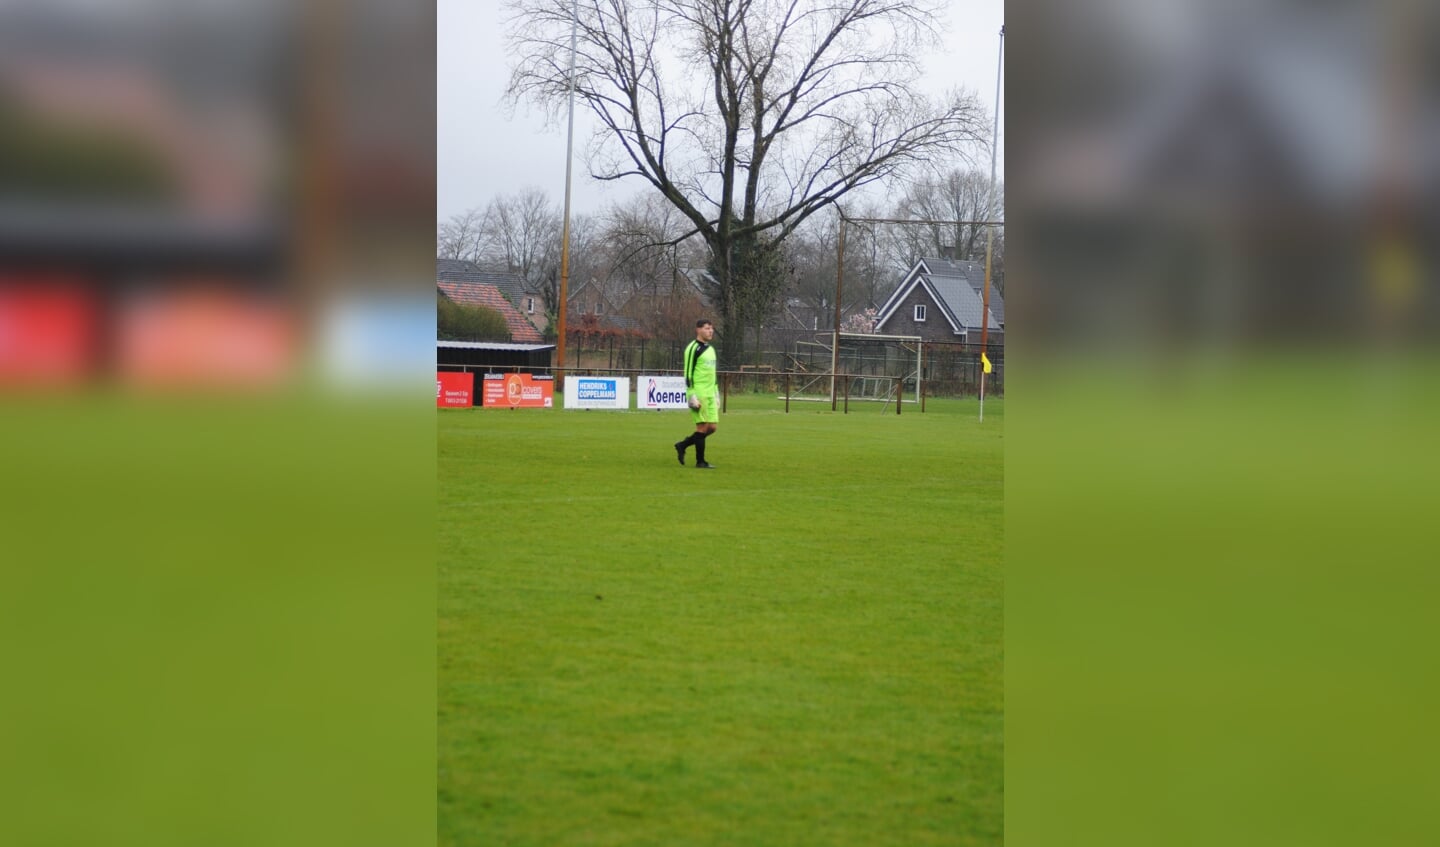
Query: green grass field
{"points": [[803, 646]]}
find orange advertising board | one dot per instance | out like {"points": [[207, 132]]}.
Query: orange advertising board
{"points": [[518, 391]]}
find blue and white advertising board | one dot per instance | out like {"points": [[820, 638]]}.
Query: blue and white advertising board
{"points": [[597, 392], [660, 392]]}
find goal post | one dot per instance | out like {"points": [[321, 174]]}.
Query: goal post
{"points": [[881, 357], [862, 366]]}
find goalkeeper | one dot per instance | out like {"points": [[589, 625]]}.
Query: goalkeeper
{"points": [[700, 389]]}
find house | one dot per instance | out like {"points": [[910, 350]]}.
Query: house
{"points": [[481, 294], [587, 301], [524, 297], [942, 300], [665, 309]]}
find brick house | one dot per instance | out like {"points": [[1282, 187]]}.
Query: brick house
{"points": [[481, 294], [941, 300], [588, 300], [525, 298]]}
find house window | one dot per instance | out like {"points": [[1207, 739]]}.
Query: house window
{"points": [[530, 305], [920, 313], [599, 307]]}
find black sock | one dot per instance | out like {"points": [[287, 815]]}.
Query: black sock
{"points": [[688, 440], [700, 445]]}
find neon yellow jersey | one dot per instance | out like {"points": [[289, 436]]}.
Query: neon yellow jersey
{"points": [[700, 368]]}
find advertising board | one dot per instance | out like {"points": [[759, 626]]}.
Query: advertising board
{"points": [[597, 392], [518, 391], [454, 389], [660, 392]]}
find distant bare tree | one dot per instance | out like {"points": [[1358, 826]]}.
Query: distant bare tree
{"points": [[997, 261], [641, 237], [813, 251], [958, 195], [587, 250], [522, 232], [461, 237], [747, 116], [869, 278]]}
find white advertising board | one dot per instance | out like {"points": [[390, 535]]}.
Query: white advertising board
{"points": [[597, 392], [660, 392]]}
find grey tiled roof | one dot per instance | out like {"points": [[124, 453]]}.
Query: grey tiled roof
{"points": [[453, 266], [959, 284], [512, 285]]}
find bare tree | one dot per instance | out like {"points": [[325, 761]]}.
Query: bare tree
{"points": [[813, 251], [748, 116], [587, 253], [869, 277], [461, 237], [957, 195], [642, 237], [522, 232]]}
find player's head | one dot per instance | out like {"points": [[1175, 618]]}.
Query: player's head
{"points": [[704, 329]]}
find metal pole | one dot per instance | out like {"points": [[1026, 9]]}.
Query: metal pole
{"points": [[920, 375], [565, 227], [919, 360], [839, 287], [787, 392], [990, 231]]}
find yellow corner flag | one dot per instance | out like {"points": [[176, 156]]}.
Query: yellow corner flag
{"points": [[985, 361]]}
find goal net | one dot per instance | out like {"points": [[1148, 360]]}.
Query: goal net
{"points": [[867, 367]]}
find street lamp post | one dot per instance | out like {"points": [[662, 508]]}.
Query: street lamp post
{"points": [[561, 308]]}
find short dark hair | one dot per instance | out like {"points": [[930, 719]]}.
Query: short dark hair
{"points": [[703, 321]]}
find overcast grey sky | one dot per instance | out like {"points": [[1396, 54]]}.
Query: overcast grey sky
{"points": [[482, 151]]}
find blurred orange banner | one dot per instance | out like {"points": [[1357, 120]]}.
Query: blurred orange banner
{"points": [[204, 337], [47, 333]]}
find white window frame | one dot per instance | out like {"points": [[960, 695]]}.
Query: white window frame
{"points": [[920, 313], [530, 305]]}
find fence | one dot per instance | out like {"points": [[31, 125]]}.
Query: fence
{"points": [[946, 369], [791, 387]]}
